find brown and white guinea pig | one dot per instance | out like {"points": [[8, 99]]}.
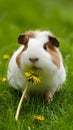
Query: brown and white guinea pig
{"points": [[39, 50]]}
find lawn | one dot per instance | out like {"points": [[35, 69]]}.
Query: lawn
{"points": [[17, 17]]}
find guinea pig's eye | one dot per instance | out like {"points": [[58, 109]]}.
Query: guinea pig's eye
{"points": [[45, 47]]}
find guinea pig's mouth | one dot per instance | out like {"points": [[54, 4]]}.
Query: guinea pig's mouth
{"points": [[35, 68]]}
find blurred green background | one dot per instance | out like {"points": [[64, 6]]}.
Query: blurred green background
{"points": [[16, 17]]}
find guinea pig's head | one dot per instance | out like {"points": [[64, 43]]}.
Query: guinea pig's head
{"points": [[40, 49]]}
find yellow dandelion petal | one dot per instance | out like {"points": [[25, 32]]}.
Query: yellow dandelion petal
{"points": [[27, 74], [39, 118], [6, 57], [32, 77], [36, 79], [4, 79]]}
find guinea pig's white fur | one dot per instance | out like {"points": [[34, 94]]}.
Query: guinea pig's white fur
{"points": [[39, 50]]}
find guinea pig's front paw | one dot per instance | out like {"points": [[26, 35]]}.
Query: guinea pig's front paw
{"points": [[49, 96]]}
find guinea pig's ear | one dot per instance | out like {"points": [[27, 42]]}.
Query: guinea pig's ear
{"points": [[54, 41], [22, 39]]}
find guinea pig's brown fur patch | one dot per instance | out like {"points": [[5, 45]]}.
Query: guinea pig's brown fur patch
{"points": [[18, 58], [28, 35], [23, 38], [55, 54]]}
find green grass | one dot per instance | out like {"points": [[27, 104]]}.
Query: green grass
{"points": [[17, 17]]}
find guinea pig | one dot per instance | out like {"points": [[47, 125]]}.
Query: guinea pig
{"points": [[38, 50]]}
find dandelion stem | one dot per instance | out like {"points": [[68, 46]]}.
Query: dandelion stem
{"points": [[34, 79], [20, 103]]}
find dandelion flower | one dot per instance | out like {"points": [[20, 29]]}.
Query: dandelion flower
{"points": [[39, 118], [4, 79], [32, 77], [6, 57]]}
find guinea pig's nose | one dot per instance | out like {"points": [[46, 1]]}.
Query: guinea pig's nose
{"points": [[33, 59]]}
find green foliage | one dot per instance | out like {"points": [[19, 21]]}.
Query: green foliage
{"points": [[17, 17]]}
